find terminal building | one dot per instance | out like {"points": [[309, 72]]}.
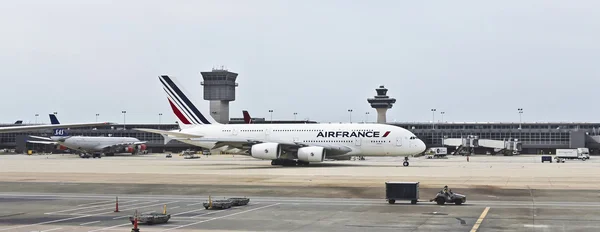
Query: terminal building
{"points": [[219, 88], [536, 138]]}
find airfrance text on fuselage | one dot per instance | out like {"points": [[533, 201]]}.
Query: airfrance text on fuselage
{"points": [[348, 134]]}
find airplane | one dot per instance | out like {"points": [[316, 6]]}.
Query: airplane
{"points": [[91, 144], [286, 144], [12, 129]]}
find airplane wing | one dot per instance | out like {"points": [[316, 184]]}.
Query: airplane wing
{"points": [[245, 144], [171, 133], [42, 142], [11, 129]]}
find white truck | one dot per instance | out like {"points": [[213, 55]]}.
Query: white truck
{"points": [[437, 152], [575, 153]]}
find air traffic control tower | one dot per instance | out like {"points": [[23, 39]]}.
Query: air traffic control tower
{"points": [[382, 102], [219, 89]]}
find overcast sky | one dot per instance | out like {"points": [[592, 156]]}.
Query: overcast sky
{"points": [[475, 60]]}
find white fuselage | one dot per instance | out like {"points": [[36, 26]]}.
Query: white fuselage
{"points": [[92, 144], [362, 139]]}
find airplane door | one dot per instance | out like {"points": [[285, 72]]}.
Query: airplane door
{"points": [[234, 131], [267, 133], [398, 141], [357, 141]]}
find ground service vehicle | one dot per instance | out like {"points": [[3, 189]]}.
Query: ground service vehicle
{"points": [[442, 198], [579, 153], [407, 191], [151, 218]]}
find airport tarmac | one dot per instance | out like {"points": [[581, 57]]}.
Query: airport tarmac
{"points": [[94, 212], [67, 193], [521, 172]]}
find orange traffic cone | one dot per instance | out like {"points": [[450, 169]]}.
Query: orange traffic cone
{"points": [[135, 223]]}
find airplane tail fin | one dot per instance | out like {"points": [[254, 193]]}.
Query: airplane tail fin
{"points": [[182, 107], [58, 131], [19, 122], [53, 119], [247, 118]]}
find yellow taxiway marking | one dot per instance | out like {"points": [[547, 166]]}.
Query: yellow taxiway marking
{"points": [[480, 220]]}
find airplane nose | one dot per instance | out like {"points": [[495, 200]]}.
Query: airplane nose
{"points": [[421, 147]]}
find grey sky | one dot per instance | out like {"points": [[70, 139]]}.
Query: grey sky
{"points": [[476, 60]]}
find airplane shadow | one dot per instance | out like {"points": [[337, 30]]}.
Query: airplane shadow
{"points": [[322, 165]]}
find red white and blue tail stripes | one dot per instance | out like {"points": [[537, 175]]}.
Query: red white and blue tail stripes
{"points": [[184, 109]]}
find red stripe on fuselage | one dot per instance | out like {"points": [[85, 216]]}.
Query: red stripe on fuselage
{"points": [[386, 134], [178, 113]]}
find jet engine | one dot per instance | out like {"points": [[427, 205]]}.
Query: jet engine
{"points": [[129, 149], [266, 151], [311, 154], [61, 147], [141, 147]]}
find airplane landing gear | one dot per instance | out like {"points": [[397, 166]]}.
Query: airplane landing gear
{"points": [[405, 163], [302, 163], [288, 162]]}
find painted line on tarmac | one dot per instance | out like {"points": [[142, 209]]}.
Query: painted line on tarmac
{"points": [[88, 223], [195, 204], [480, 220], [119, 217], [73, 218], [215, 218], [96, 203], [191, 211], [123, 206], [110, 227], [88, 207], [51, 230]]}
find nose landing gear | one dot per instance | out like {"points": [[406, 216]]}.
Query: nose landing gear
{"points": [[405, 163]]}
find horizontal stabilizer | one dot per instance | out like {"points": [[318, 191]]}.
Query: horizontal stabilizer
{"points": [[171, 133], [39, 137], [42, 142]]}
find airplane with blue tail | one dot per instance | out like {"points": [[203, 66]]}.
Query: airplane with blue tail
{"points": [[95, 145]]}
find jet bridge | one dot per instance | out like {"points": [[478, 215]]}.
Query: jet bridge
{"points": [[467, 145], [463, 145]]}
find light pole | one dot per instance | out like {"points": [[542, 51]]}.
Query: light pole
{"points": [[159, 121], [442, 113], [124, 112], [520, 118], [36, 116], [271, 112], [295, 116], [97, 117], [350, 111], [433, 120], [366, 117]]}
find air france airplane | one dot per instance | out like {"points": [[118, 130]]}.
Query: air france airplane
{"points": [[285, 144]]}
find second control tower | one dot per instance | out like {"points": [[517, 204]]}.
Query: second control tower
{"points": [[382, 102], [219, 89]]}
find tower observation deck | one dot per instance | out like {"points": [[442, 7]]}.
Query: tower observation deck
{"points": [[381, 102], [219, 89]]}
